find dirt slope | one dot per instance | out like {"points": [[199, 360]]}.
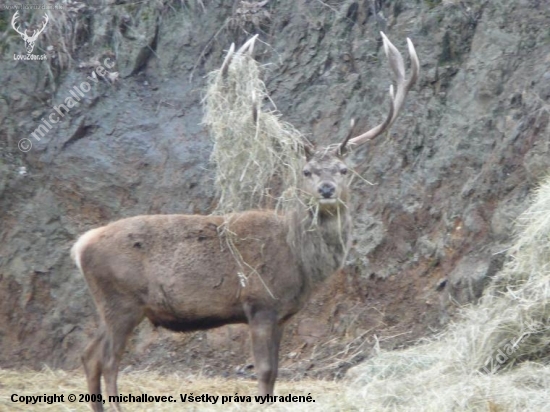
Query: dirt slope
{"points": [[447, 182]]}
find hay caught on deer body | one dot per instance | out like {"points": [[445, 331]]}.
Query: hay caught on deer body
{"points": [[257, 155]]}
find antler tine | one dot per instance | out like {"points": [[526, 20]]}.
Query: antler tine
{"points": [[227, 60], [397, 66], [255, 108], [372, 133], [342, 147], [251, 48], [249, 45], [37, 32], [415, 64], [14, 18]]}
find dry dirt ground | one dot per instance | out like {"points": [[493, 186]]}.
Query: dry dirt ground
{"points": [[327, 395]]}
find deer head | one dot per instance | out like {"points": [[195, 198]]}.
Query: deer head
{"points": [[325, 171], [325, 182], [29, 40]]}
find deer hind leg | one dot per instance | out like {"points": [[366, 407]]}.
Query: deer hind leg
{"points": [[266, 336], [91, 360], [120, 326]]}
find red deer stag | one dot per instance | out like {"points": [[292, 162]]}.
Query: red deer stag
{"points": [[174, 270]]}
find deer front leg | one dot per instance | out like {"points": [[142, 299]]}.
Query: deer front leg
{"points": [[266, 335]]}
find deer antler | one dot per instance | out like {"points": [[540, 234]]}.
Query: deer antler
{"points": [[16, 28], [227, 60], [248, 46], [397, 99], [37, 32], [24, 33]]}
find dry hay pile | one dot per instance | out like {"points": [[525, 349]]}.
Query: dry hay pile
{"points": [[496, 358], [255, 153]]}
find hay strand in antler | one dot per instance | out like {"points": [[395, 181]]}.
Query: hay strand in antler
{"points": [[256, 154]]}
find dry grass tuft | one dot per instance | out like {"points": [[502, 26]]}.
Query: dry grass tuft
{"points": [[255, 157], [496, 357]]}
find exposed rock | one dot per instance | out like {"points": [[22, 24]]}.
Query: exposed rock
{"points": [[447, 181]]}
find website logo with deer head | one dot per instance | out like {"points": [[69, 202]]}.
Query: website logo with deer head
{"points": [[29, 40]]}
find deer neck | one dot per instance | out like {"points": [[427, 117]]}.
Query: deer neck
{"points": [[321, 242]]}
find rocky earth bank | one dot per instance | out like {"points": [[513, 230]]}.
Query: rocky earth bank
{"points": [[431, 226]]}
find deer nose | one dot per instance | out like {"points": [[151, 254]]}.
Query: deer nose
{"points": [[327, 190]]}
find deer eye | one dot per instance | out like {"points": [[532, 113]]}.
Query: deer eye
{"points": [[307, 173], [344, 171]]}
